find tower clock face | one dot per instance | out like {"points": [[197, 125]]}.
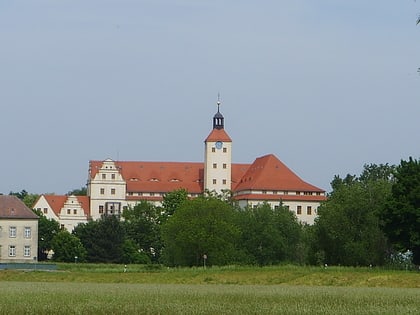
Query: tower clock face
{"points": [[219, 145]]}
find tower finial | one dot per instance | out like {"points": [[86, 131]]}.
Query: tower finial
{"points": [[218, 101]]}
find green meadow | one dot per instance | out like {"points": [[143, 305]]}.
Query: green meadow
{"points": [[107, 289]]}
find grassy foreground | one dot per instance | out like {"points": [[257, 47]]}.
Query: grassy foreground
{"points": [[106, 289]]}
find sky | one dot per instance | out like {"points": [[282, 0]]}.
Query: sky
{"points": [[325, 85]]}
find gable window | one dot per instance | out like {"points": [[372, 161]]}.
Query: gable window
{"points": [[27, 251], [103, 176], [12, 231], [74, 211], [68, 211], [27, 232], [299, 210], [12, 250], [102, 191], [45, 210], [113, 176]]}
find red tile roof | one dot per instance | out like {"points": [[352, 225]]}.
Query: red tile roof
{"points": [[269, 173], [278, 197], [12, 207], [56, 203], [218, 135]]}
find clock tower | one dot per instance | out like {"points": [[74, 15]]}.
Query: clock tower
{"points": [[218, 156]]}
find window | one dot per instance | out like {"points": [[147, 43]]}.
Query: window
{"points": [[112, 191], [12, 231], [74, 211], [213, 150], [103, 176], [214, 181], [214, 165], [152, 194], [224, 165], [102, 191], [224, 150], [12, 250], [113, 176], [264, 192], [298, 193], [62, 226], [68, 211], [309, 210], [27, 251], [101, 209], [27, 232], [45, 210], [224, 182], [299, 210]]}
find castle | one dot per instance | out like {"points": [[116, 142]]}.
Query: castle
{"points": [[113, 186]]}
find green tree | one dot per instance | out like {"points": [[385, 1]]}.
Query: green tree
{"points": [[27, 198], [102, 239], [47, 229], [172, 201], [132, 254], [67, 247], [347, 229], [142, 225], [78, 192], [202, 226], [269, 236], [401, 216]]}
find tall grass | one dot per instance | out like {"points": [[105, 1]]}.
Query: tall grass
{"points": [[123, 298]]}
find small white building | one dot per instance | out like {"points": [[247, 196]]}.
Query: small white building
{"points": [[18, 231]]}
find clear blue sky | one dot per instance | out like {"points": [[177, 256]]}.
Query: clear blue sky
{"points": [[326, 86]]}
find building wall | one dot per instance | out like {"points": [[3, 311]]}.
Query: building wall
{"points": [[72, 214], [214, 170], [43, 206], [19, 240], [107, 191]]}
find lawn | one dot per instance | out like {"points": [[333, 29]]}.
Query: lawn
{"points": [[106, 289]]}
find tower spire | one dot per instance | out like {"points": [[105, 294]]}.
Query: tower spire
{"points": [[218, 119]]}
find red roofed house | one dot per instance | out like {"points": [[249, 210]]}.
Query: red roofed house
{"points": [[18, 231], [115, 185], [68, 210]]}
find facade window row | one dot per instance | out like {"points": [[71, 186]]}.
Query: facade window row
{"points": [[13, 232], [13, 251], [105, 177], [102, 191], [308, 210]]}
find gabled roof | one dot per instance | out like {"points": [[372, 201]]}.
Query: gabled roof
{"points": [[218, 135], [269, 173], [12, 207], [165, 176], [56, 202]]}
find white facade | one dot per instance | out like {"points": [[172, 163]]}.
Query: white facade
{"points": [[217, 166]]}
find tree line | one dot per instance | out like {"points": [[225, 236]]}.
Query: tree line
{"points": [[369, 219]]}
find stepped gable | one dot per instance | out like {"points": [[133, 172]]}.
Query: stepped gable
{"points": [[56, 202], [269, 173], [12, 207], [162, 177]]}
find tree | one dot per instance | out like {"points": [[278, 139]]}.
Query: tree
{"points": [[269, 236], [78, 192], [347, 229], [67, 247], [47, 229], [202, 226], [401, 216], [27, 198], [143, 227], [173, 200], [102, 239]]}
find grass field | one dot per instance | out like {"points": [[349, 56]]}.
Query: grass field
{"points": [[106, 289]]}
